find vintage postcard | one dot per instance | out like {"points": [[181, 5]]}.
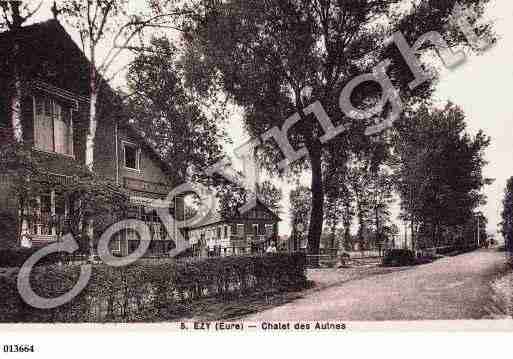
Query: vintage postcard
{"points": [[248, 166]]}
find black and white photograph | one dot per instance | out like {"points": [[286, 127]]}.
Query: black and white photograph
{"points": [[255, 167]]}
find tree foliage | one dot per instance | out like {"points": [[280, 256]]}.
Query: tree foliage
{"points": [[507, 215], [265, 54], [16, 13], [18, 167], [300, 207], [170, 117], [232, 197], [438, 170], [108, 29]]}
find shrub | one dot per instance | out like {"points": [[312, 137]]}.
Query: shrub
{"points": [[17, 256], [399, 257], [152, 291], [7, 228]]}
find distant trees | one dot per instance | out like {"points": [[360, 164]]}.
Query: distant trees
{"points": [[271, 196], [432, 164], [438, 173], [363, 190], [381, 197], [507, 216], [232, 197], [359, 180]]}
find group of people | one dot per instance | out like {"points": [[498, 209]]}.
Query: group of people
{"points": [[272, 248]]}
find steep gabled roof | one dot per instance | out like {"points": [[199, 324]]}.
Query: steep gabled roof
{"points": [[45, 47], [215, 217]]}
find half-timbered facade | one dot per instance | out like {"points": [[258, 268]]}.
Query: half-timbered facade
{"points": [[248, 233]]}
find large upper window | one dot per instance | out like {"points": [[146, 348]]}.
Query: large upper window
{"points": [[52, 126], [240, 229], [131, 154]]}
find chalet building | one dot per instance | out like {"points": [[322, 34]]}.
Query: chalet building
{"points": [[55, 118], [248, 233]]}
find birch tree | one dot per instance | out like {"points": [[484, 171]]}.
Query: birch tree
{"points": [[16, 161], [14, 15], [109, 30]]}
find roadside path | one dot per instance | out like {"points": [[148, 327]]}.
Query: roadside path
{"points": [[450, 288]]}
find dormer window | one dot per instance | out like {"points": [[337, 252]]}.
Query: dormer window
{"points": [[53, 129], [132, 156]]}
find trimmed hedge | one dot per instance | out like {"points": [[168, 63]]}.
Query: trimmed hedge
{"points": [[399, 257], [150, 292], [455, 250]]}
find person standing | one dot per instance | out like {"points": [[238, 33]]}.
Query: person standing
{"points": [[271, 248]]}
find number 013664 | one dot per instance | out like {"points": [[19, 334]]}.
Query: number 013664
{"points": [[18, 348]]}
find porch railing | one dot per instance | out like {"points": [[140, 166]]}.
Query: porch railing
{"points": [[45, 226]]}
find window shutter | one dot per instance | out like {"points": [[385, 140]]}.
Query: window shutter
{"points": [[62, 132], [52, 126], [43, 126]]}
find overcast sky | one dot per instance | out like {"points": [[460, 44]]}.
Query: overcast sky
{"points": [[480, 87]]}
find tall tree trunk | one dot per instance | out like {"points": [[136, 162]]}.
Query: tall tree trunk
{"points": [[16, 101], [91, 134], [376, 235], [412, 217], [16, 81], [317, 188], [347, 236], [360, 224], [333, 238], [434, 239], [412, 225], [16, 92]]}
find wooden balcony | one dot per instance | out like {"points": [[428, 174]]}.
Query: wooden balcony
{"points": [[46, 228]]}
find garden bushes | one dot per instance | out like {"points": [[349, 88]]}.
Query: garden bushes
{"points": [[147, 291], [7, 226], [399, 257], [15, 257]]}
